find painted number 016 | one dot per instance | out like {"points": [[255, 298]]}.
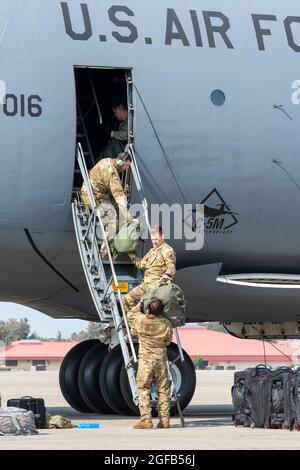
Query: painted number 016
{"points": [[21, 106]]}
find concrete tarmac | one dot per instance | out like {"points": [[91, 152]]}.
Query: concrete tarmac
{"points": [[208, 421]]}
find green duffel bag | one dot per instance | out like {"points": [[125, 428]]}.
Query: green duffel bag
{"points": [[173, 299], [127, 240]]}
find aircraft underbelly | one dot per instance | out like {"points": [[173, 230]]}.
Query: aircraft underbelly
{"points": [[59, 288], [240, 159]]}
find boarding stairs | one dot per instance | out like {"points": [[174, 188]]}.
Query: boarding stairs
{"points": [[105, 277]]}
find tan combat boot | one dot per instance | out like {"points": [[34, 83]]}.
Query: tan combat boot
{"points": [[163, 423], [143, 425]]}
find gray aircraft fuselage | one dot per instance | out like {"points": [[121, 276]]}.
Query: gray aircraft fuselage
{"points": [[186, 58]]}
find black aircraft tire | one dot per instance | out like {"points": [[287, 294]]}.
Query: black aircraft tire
{"points": [[126, 391], [68, 375], [185, 371], [109, 380], [88, 379]]}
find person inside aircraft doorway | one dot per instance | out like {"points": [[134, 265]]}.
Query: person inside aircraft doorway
{"points": [[159, 264], [119, 138], [154, 333], [109, 195]]}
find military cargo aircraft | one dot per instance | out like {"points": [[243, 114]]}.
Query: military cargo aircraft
{"points": [[213, 92]]}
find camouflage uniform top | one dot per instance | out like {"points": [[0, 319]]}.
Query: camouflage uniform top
{"points": [[154, 333], [122, 133], [157, 262], [105, 180]]}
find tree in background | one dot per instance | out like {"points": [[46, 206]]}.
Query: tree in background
{"points": [[198, 361], [33, 335], [59, 336], [14, 330], [91, 332], [17, 330]]}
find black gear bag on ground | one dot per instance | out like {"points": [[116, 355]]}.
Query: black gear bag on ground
{"points": [[241, 410], [265, 398], [36, 405], [257, 395], [293, 387], [249, 396], [278, 406]]}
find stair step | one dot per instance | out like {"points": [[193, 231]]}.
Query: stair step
{"points": [[116, 262], [98, 288]]}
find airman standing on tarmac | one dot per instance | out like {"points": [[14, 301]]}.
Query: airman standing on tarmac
{"points": [[159, 264], [154, 333], [109, 195]]}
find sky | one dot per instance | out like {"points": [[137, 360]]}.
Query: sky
{"points": [[39, 322]]}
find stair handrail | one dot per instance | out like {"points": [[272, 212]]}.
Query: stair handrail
{"points": [[85, 175], [138, 181]]}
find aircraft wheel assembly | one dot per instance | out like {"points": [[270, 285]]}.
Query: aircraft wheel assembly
{"points": [[88, 379], [184, 377], [68, 375], [93, 380], [109, 380]]}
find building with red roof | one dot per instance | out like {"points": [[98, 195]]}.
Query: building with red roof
{"points": [[221, 349], [29, 354], [215, 348]]}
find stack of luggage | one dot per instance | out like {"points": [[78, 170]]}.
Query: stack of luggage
{"points": [[266, 398]]}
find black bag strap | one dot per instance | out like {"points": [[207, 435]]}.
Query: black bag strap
{"points": [[284, 369], [263, 367]]}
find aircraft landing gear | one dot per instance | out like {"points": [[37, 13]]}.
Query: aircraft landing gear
{"points": [[93, 380], [109, 380], [183, 375], [68, 375], [88, 379]]}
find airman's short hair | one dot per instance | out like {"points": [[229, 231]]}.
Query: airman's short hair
{"points": [[156, 307], [123, 158], [119, 104], [157, 229]]}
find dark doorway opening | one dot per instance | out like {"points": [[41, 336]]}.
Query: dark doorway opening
{"points": [[97, 90]]}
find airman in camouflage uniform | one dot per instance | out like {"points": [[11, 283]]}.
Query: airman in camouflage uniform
{"points": [[109, 194], [159, 264], [118, 138], [155, 333]]}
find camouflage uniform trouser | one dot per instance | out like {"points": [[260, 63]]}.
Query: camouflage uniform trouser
{"points": [[133, 298], [153, 371], [113, 148], [109, 216]]}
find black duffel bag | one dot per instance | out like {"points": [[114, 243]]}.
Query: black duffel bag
{"points": [[241, 410], [36, 405], [278, 409]]}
